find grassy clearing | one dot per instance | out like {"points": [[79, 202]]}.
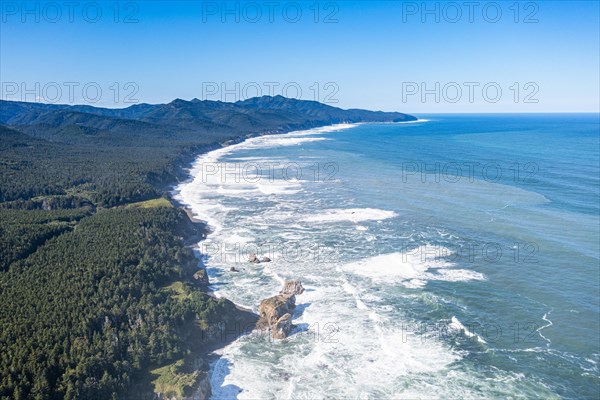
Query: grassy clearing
{"points": [[178, 287], [173, 380], [154, 203], [84, 191]]}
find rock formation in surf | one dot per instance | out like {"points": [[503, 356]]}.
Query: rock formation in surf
{"points": [[276, 312], [253, 258]]}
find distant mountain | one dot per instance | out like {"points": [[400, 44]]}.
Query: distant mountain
{"points": [[24, 111], [182, 118], [321, 111]]}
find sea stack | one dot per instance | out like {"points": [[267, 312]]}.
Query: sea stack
{"points": [[276, 312]]}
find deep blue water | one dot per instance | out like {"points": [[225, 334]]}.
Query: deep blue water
{"points": [[465, 258]]}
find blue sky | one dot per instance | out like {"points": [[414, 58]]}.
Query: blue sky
{"points": [[406, 56]]}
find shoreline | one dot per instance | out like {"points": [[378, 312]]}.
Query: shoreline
{"points": [[209, 355], [202, 231], [172, 188], [206, 357]]}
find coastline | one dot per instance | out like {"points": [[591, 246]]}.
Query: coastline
{"points": [[205, 357], [218, 355], [186, 172], [209, 354], [203, 230]]}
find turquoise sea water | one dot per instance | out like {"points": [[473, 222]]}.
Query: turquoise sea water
{"points": [[457, 257]]}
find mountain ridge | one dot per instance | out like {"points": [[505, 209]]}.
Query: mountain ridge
{"points": [[274, 112]]}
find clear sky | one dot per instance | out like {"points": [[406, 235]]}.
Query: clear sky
{"points": [[413, 57]]}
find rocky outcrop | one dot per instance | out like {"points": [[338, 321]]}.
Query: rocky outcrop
{"points": [[292, 288], [273, 308], [203, 390], [201, 278], [275, 312], [282, 327], [253, 258]]}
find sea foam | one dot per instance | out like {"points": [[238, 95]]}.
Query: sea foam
{"points": [[412, 268], [352, 215]]}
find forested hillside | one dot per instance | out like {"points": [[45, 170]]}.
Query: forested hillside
{"points": [[88, 311]]}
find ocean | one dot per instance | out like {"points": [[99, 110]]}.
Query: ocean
{"points": [[454, 257]]}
